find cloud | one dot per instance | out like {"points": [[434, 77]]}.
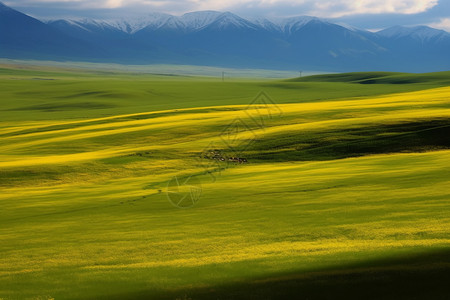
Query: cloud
{"points": [[335, 9], [320, 8], [442, 24]]}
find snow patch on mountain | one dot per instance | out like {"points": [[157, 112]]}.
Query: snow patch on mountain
{"points": [[199, 19], [229, 20], [293, 24], [133, 25], [266, 24], [422, 33]]}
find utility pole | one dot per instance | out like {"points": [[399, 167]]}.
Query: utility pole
{"points": [[223, 76], [300, 72]]}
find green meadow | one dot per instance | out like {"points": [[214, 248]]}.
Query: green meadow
{"points": [[121, 185]]}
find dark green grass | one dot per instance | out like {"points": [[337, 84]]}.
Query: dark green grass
{"points": [[422, 136], [50, 107], [380, 78], [400, 276], [84, 95]]}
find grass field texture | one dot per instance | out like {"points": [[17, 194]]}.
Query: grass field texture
{"points": [[345, 192]]}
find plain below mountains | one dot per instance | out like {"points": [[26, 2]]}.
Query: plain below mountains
{"points": [[227, 40]]}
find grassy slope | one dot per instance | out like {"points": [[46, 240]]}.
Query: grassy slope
{"points": [[380, 78], [83, 159]]}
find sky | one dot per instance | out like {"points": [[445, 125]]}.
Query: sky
{"points": [[366, 14]]}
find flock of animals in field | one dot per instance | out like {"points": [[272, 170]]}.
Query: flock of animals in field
{"points": [[213, 154], [217, 155]]}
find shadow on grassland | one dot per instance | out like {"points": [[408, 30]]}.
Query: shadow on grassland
{"points": [[414, 276], [410, 137], [438, 78]]}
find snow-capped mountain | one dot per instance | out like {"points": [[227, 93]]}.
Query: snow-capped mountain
{"points": [[422, 33], [228, 20], [153, 20], [291, 25], [199, 19], [225, 39], [269, 25], [87, 25], [187, 22]]}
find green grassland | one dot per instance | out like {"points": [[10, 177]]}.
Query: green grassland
{"points": [[345, 193]]}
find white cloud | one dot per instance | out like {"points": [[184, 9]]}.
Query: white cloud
{"points": [[320, 8], [114, 3], [340, 8], [442, 24]]}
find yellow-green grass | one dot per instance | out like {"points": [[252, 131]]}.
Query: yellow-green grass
{"points": [[85, 213]]}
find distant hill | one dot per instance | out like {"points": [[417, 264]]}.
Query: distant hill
{"points": [[226, 40], [442, 78], [22, 36]]}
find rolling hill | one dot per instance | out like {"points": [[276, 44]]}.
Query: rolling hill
{"points": [[344, 195]]}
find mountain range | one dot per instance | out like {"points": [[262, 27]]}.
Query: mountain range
{"points": [[225, 39]]}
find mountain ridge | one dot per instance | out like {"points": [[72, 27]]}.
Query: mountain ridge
{"points": [[199, 19], [225, 39]]}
